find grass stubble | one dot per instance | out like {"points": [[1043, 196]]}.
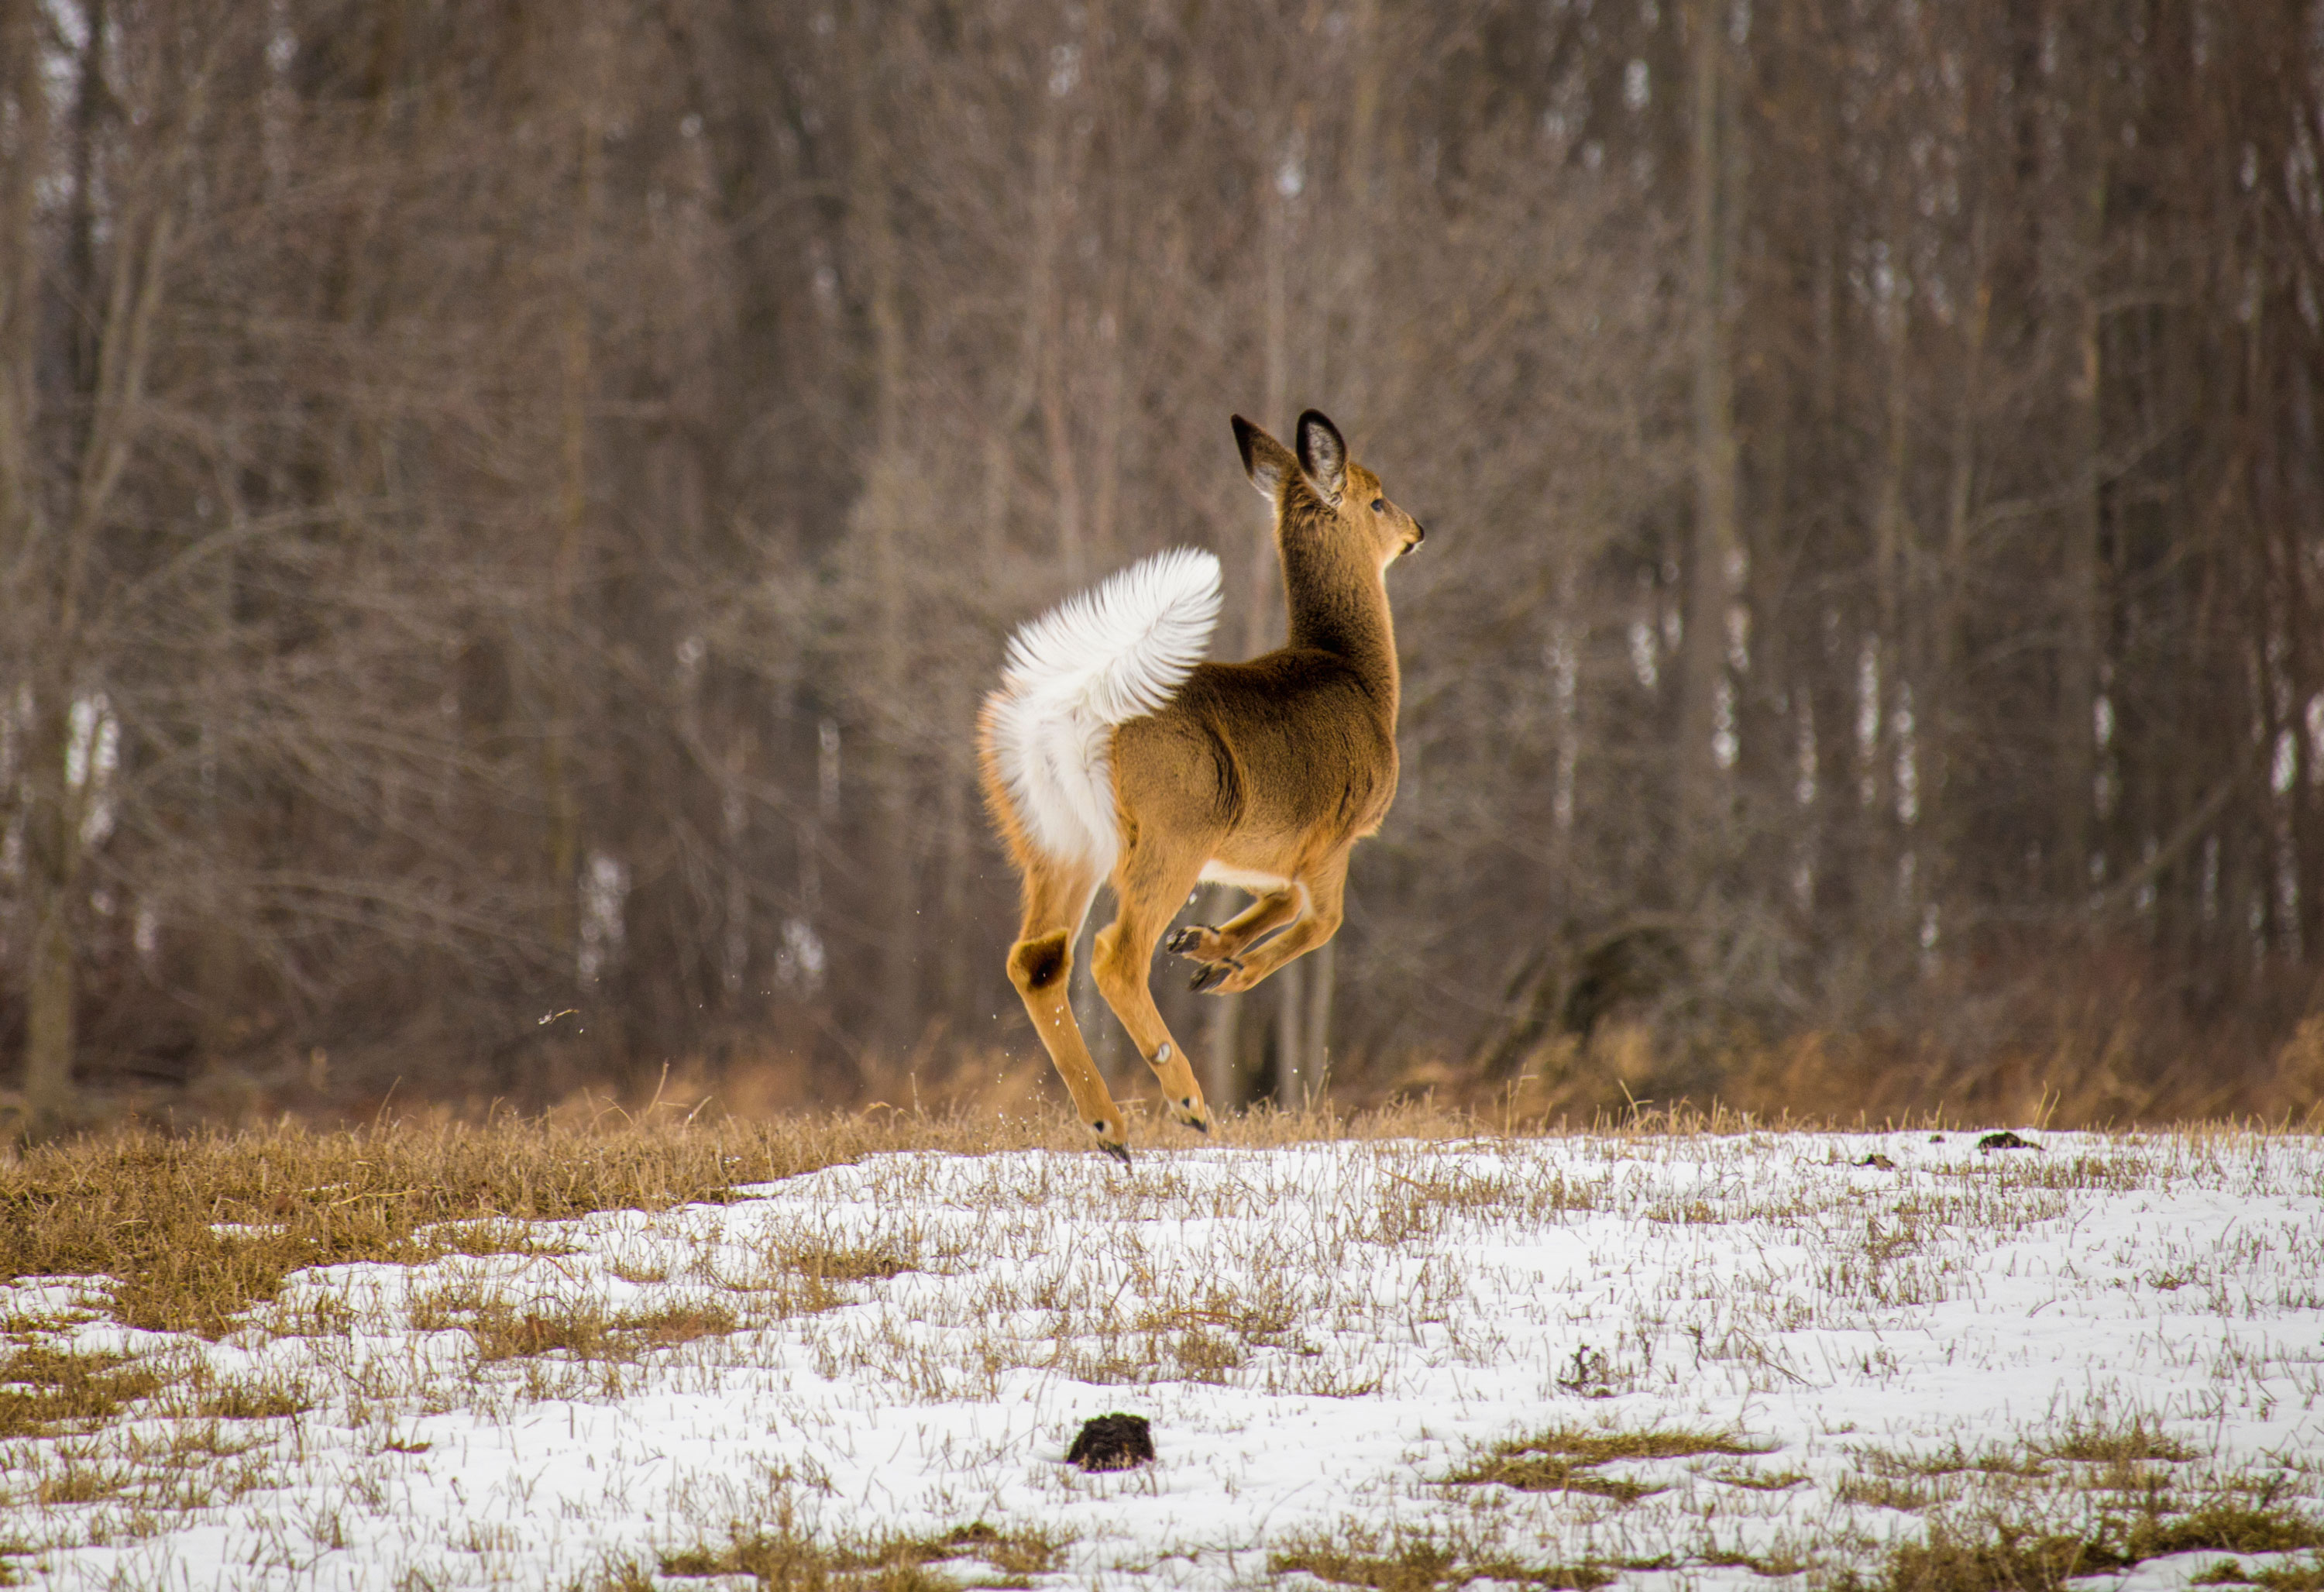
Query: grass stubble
{"points": [[2046, 1510], [785, 1558], [170, 1244]]}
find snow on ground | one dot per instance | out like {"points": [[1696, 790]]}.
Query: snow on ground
{"points": [[1320, 1335]]}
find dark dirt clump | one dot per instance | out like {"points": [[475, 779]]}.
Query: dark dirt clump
{"points": [[1112, 1442]]}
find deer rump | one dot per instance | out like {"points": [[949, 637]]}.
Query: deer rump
{"points": [[1121, 653], [1094, 663]]}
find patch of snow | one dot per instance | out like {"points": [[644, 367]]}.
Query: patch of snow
{"points": [[1374, 1314]]}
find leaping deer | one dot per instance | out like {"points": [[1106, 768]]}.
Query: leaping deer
{"points": [[1113, 752]]}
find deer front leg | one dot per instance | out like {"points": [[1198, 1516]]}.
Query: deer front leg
{"points": [[1326, 888], [1041, 965], [1220, 949]]}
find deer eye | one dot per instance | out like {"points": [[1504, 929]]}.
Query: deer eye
{"points": [[1379, 505]]}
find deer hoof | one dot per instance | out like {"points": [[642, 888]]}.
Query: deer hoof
{"points": [[1212, 974], [1186, 940], [1191, 1112]]}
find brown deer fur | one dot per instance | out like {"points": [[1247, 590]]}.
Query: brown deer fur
{"points": [[1260, 774]]}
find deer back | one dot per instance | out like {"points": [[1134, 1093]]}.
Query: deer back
{"points": [[1293, 752]]}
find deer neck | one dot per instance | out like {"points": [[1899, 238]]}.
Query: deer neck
{"points": [[1337, 599]]}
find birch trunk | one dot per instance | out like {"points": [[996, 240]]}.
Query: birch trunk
{"points": [[1703, 683], [2081, 599], [562, 802], [55, 801], [885, 499]]}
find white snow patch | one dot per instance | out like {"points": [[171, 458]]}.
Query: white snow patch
{"points": [[1371, 1314]]}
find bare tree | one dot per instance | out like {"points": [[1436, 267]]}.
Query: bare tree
{"points": [[502, 521]]}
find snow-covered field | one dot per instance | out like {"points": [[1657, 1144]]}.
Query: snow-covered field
{"points": [[1881, 1331]]}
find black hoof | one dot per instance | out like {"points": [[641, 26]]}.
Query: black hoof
{"points": [[1212, 974], [1181, 942]]}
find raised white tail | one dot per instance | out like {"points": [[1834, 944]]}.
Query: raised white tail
{"points": [[1096, 660]]}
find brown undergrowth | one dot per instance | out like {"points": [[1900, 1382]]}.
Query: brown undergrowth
{"points": [[1829, 1077], [2094, 1047], [190, 1230], [2098, 1057]]}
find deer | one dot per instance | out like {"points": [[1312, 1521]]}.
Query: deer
{"points": [[1112, 752]]}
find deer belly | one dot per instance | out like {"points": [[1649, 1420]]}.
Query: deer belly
{"points": [[1216, 872]]}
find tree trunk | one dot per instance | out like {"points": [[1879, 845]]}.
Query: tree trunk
{"points": [[1361, 210], [1888, 844], [1291, 1089], [564, 648], [48, 1048], [53, 872], [1705, 690], [1261, 600], [22, 90], [1948, 788], [2073, 193], [2081, 641], [55, 801], [1323, 980], [885, 499]]}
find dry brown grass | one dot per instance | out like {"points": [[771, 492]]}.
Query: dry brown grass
{"points": [[2002, 1554], [2096, 1058], [1997, 1550], [263, 1399], [1885, 1492], [785, 1559], [193, 1229], [2274, 1578], [1568, 1460], [2097, 1066], [2100, 1494], [1422, 1561], [2098, 1443], [44, 1391], [504, 1330]]}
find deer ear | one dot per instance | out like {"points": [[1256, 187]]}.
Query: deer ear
{"points": [[1265, 461], [1323, 455]]}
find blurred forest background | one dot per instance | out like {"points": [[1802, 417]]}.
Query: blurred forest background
{"points": [[506, 514]]}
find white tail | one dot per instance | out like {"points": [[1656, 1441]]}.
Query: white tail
{"points": [[1096, 660]]}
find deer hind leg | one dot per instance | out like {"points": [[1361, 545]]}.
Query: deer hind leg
{"points": [[1041, 965], [1150, 883], [1221, 950], [1326, 888]]}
